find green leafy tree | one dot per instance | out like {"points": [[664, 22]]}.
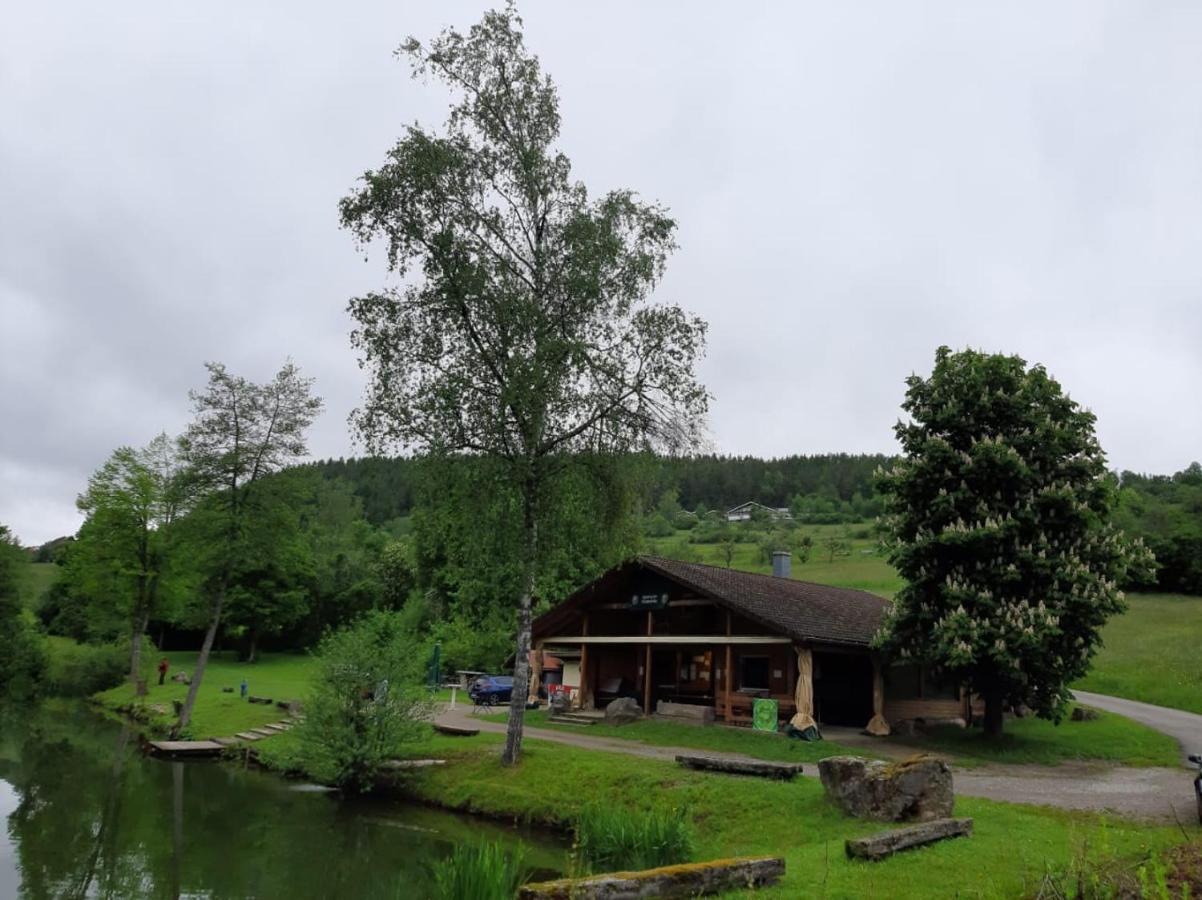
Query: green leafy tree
{"points": [[366, 703], [803, 547], [395, 573], [22, 659], [728, 543], [526, 334], [119, 559], [272, 582], [997, 516], [356, 567], [1167, 512], [836, 545], [241, 433], [467, 540]]}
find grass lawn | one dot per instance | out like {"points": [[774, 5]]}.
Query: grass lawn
{"points": [[774, 747], [1108, 738], [1151, 653], [864, 568], [280, 676], [38, 579], [1011, 848]]}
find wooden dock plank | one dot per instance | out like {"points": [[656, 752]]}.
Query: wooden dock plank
{"points": [[186, 748]]}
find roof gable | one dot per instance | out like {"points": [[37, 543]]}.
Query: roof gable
{"points": [[801, 610]]}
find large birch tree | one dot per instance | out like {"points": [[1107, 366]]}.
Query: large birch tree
{"points": [[520, 325]]}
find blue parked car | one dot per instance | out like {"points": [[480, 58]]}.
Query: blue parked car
{"points": [[488, 690]]}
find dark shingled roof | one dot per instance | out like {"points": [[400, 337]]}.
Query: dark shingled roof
{"points": [[800, 609]]}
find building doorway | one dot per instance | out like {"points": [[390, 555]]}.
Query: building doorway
{"points": [[842, 688]]}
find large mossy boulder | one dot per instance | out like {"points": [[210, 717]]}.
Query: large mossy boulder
{"points": [[623, 711], [918, 789]]}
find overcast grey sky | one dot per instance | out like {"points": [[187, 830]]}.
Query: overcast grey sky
{"points": [[855, 184]]}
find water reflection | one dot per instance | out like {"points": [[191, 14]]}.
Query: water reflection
{"points": [[88, 816]]}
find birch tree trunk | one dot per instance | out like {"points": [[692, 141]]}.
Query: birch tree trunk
{"points": [[521, 662]]}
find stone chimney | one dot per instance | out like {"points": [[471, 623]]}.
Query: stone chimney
{"points": [[782, 564]]}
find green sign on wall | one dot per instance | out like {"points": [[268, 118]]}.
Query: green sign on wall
{"points": [[763, 714]]}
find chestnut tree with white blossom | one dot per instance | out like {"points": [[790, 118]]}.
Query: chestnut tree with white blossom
{"points": [[997, 517]]}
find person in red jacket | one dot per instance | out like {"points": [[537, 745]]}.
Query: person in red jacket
{"points": [[162, 669]]}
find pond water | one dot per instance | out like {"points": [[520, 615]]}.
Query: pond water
{"points": [[88, 815]]}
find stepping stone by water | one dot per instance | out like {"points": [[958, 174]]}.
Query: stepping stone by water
{"points": [[413, 763]]}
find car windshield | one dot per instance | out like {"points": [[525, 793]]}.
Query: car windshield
{"points": [[503, 680]]}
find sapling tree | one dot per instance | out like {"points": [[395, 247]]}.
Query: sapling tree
{"points": [[997, 519], [521, 327], [241, 432], [836, 545]]}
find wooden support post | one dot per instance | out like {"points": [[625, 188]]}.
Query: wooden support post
{"points": [[585, 695], [878, 725], [647, 683], [729, 673], [536, 673], [647, 710]]}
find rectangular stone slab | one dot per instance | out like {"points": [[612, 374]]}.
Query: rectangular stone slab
{"points": [[760, 769], [879, 846], [687, 880], [247, 736], [397, 764], [456, 730]]}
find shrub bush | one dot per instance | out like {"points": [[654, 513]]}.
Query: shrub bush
{"points": [[612, 838], [365, 702], [482, 872], [22, 661], [80, 670]]}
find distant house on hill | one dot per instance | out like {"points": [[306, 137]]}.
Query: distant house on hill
{"points": [[745, 511]]}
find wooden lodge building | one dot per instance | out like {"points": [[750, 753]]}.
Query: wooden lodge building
{"points": [[663, 631]]}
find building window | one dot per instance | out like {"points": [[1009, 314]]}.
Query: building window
{"points": [[903, 683], [753, 673], [913, 682]]}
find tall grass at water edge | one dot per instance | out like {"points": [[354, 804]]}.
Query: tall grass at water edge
{"points": [[485, 871], [612, 838]]}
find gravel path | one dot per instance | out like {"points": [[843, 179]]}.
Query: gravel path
{"points": [[1186, 727], [1156, 794]]}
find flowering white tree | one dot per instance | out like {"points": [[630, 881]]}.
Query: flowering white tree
{"points": [[998, 518]]}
